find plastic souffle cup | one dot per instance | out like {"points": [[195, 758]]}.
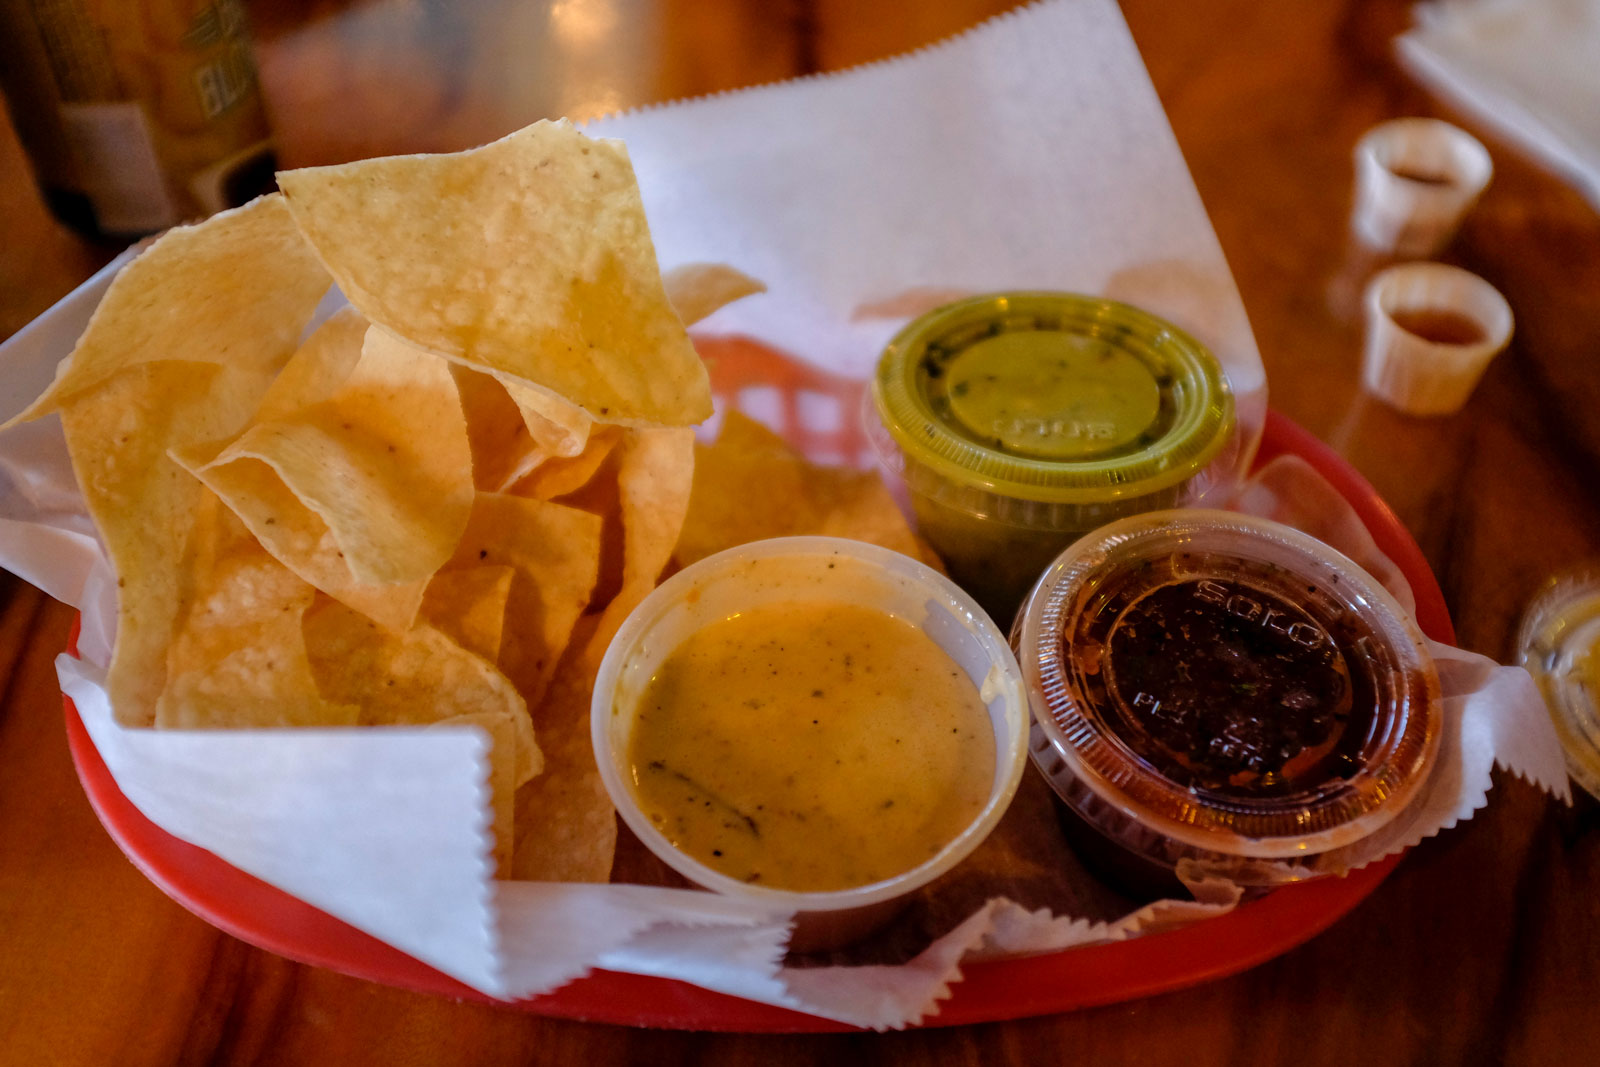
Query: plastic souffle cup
{"points": [[1415, 180], [1431, 332], [1224, 689], [797, 571], [1020, 421], [1559, 643]]}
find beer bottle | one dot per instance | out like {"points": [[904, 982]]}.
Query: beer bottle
{"points": [[136, 114]]}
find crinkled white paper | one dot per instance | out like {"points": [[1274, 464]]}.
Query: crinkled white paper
{"points": [[1525, 67], [1032, 153]]}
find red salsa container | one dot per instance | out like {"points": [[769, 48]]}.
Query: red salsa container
{"points": [[1212, 687]]}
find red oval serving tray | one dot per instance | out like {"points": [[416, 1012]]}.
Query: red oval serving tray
{"points": [[269, 918]]}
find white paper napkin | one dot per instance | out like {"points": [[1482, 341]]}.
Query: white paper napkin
{"points": [[1031, 152], [1528, 68]]}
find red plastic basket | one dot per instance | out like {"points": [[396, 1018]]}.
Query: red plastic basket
{"points": [[818, 412]]}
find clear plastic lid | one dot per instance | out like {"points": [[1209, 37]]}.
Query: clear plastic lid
{"points": [[1559, 644], [1053, 397], [1213, 685]]}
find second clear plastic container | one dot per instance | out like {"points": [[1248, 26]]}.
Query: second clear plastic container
{"points": [[1020, 421], [1559, 643], [1224, 689]]}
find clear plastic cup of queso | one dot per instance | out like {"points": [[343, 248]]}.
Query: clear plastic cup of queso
{"points": [[813, 723], [1020, 421], [1224, 689]]}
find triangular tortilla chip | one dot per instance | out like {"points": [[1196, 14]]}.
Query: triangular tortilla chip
{"points": [[234, 290], [749, 485], [556, 477], [534, 261], [554, 552], [752, 485], [469, 607], [239, 657], [318, 367], [557, 427], [145, 505], [299, 538], [565, 823], [411, 679], [383, 464], [503, 451], [654, 480], [697, 289]]}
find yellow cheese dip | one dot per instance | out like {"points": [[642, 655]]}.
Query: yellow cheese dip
{"points": [[811, 746]]}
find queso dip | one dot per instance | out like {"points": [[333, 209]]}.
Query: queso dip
{"points": [[811, 746]]}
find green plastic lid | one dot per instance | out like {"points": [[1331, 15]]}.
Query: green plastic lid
{"points": [[1053, 397]]}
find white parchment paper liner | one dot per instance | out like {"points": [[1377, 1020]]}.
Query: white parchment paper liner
{"points": [[1031, 152]]}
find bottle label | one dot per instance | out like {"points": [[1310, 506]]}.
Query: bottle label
{"points": [[148, 110], [117, 162]]}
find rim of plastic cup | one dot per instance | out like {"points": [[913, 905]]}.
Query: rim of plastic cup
{"points": [[1381, 295], [1196, 387], [1472, 167], [1004, 679]]}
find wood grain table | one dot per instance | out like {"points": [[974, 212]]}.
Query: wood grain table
{"points": [[1483, 947]]}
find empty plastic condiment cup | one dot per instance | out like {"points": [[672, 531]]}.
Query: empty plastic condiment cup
{"points": [[1021, 421], [1431, 332], [1559, 644], [1227, 690], [1415, 179], [785, 572]]}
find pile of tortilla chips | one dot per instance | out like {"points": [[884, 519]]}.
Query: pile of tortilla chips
{"points": [[437, 506]]}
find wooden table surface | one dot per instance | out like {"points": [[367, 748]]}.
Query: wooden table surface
{"points": [[1484, 946]]}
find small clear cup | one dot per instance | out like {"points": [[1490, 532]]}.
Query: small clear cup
{"points": [[1432, 330], [828, 570], [1222, 689], [1415, 179], [1559, 644]]}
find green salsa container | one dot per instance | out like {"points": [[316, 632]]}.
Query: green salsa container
{"points": [[1021, 421]]}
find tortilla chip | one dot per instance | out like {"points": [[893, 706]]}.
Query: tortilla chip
{"points": [[291, 531], [234, 290], [654, 480], [383, 464], [566, 826], [298, 538], [239, 657], [601, 497], [503, 451], [558, 477], [856, 504], [411, 679], [145, 505], [751, 485], [318, 367], [530, 257], [502, 779], [553, 552], [469, 607], [695, 290], [557, 427]]}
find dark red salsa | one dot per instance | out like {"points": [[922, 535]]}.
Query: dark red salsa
{"points": [[1225, 676]]}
